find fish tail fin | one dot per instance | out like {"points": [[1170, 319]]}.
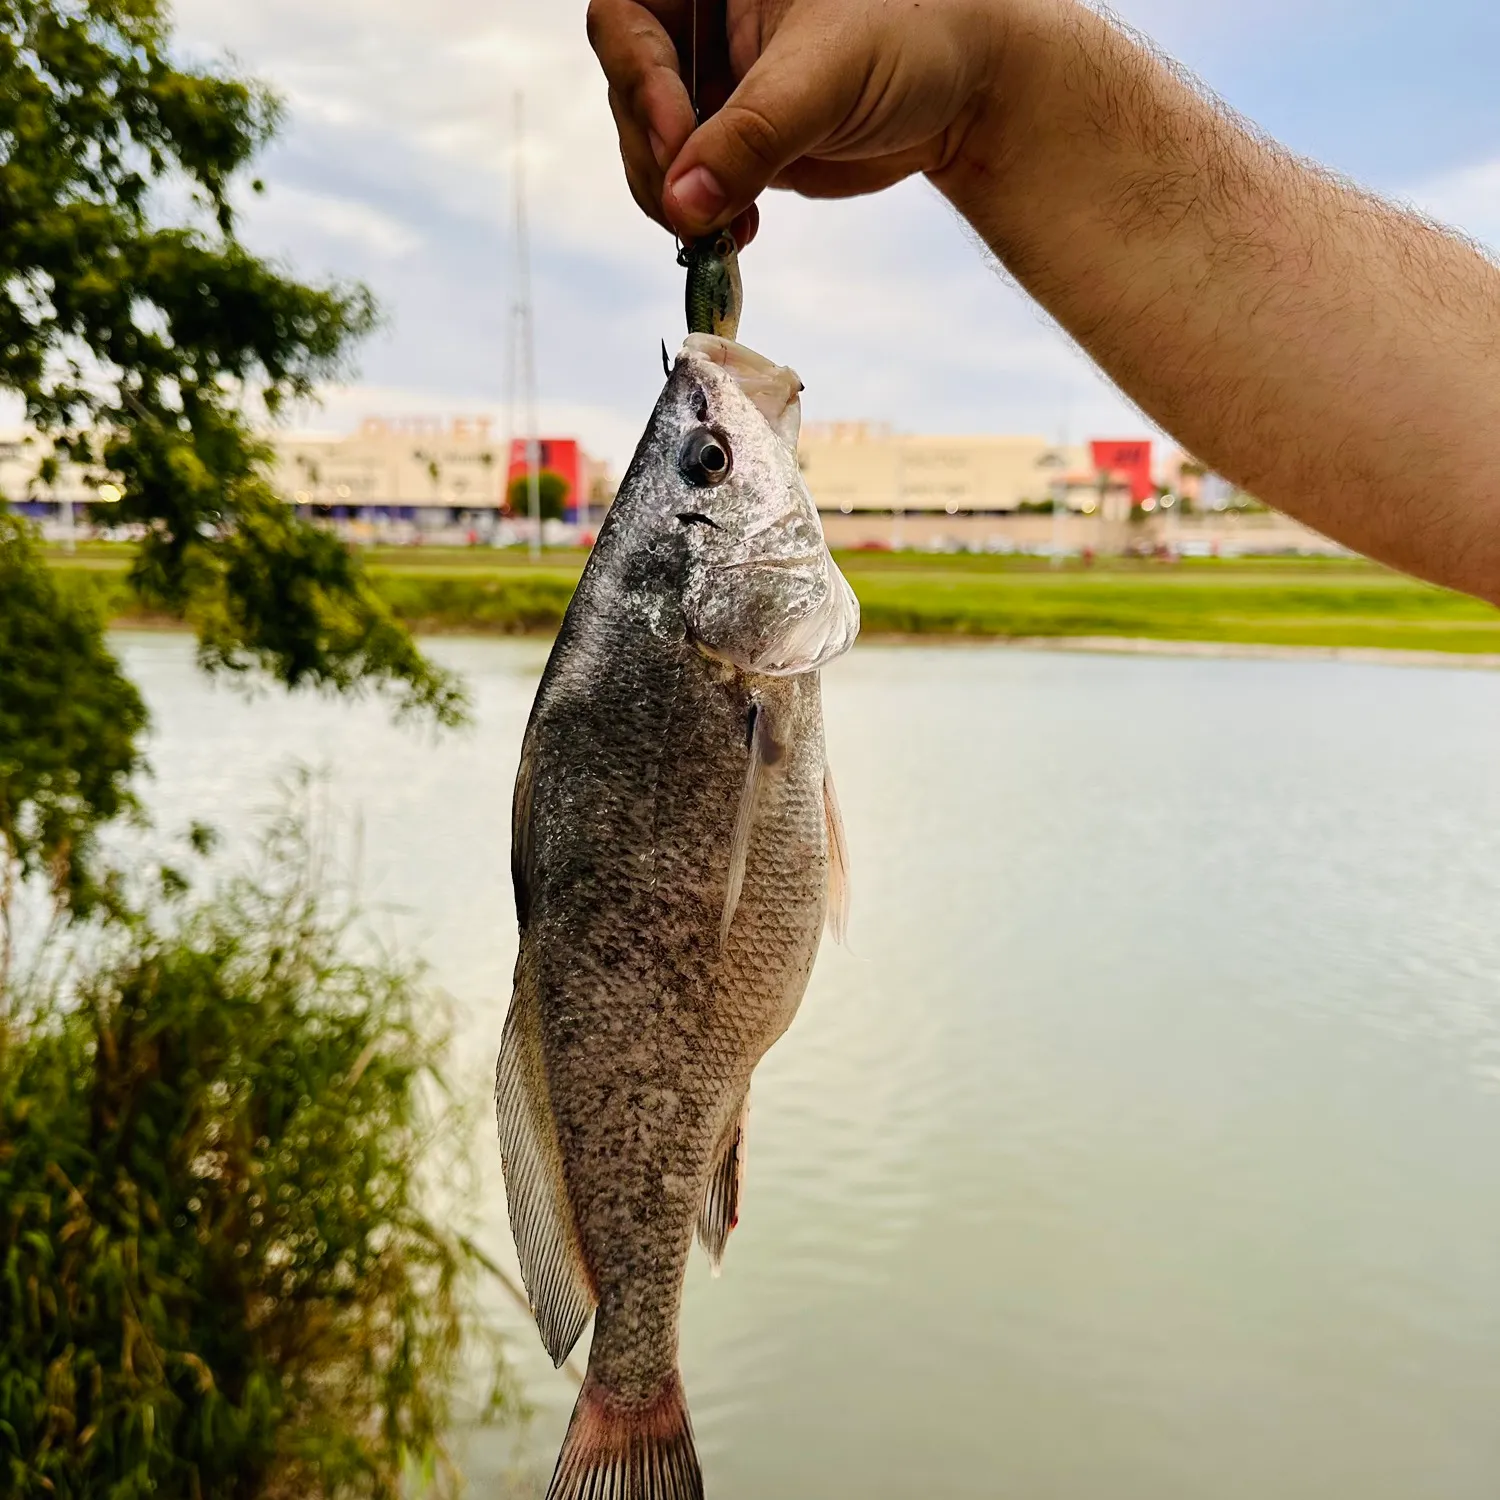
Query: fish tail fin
{"points": [[614, 1451]]}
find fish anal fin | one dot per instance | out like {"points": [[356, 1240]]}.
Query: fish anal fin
{"points": [[620, 1451], [765, 751], [541, 1218], [721, 1198], [838, 861]]}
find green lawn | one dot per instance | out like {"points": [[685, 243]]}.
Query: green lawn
{"points": [[1241, 602], [1285, 602]]}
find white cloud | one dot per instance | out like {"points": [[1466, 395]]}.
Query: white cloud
{"points": [[286, 214], [395, 166]]}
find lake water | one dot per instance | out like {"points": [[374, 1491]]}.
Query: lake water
{"points": [[1146, 1140]]}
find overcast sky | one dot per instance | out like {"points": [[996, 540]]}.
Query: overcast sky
{"points": [[394, 167]]}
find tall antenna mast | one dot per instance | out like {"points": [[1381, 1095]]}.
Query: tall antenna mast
{"points": [[521, 365]]}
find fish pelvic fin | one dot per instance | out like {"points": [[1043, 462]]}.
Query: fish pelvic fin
{"points": [[541, 1218], [764, 751], [615, 1451], [838, 861], [721, 1198]]}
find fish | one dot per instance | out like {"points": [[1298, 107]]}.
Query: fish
{"points": [[715, 297], [677, 851]]}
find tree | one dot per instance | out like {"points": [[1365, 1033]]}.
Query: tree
{"points": [[552, 496], [69, 722], [144, 350]]}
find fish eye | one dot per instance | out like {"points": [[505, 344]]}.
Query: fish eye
{"points": [[723, 247], [705, 459]]}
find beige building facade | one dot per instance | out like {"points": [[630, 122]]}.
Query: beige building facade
{"points": [[421, 470], [22, 454], [862, 468], [401, 466]]}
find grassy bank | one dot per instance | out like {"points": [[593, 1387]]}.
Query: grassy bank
{"points": [[1238, 603], [1290, 602]]}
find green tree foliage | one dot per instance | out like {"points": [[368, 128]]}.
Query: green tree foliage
{"points": [[286, 597], [69, 721], [217, 1274], [552, 495], [143, 348]]}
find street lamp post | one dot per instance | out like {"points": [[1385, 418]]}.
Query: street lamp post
{"points": [[1057, 489]]}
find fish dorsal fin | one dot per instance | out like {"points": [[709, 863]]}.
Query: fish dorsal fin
{"points": [[541, 1218], [520, 829], [721, 1198], [838, 861], [764, 751]]}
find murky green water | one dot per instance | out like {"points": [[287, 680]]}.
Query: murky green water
{"points": [[1147, 1142]]}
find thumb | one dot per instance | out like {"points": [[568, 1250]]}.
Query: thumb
{"points": [[797, 93]]}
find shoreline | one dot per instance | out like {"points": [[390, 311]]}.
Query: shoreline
{"points": [[1086, 645], [1123, 645]]}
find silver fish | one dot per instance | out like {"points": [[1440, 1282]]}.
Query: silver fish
{"points": [[677, 846]]}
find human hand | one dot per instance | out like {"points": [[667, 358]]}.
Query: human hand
{"points": [[830, 98]]}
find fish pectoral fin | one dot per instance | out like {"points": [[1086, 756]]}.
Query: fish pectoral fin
{"points": [[721, 1198], [764, 751], [838, 861], [541, 1217]]}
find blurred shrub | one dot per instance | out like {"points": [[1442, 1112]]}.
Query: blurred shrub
{"points": [[217, 1274], [519, 602], [553, 493], [516, 603]]}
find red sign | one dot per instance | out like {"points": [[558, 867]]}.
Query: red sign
{"points": [[1127, 462], [561, 456]]}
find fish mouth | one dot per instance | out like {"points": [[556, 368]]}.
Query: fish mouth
{"points": [[773, 389]]}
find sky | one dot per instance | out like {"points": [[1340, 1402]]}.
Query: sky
{"points": [[395, 166]]}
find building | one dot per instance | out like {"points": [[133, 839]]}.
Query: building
{"points": [[426, 473], [21, 457], [1126, 463], [864, 468], [877, 488]]}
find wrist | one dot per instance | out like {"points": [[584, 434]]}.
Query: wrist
{"points": [[1015, 131]]}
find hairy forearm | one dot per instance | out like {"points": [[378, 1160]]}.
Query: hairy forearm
{"points": [[1338, 358]]}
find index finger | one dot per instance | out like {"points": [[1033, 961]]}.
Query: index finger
{"points": [[797, 92], [654, 115], [640, 62]]}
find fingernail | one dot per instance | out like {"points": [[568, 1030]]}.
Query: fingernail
{"points": [[659, 150], [699, 194]]}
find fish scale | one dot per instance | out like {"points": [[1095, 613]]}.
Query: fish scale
{"points": [[675, 841]]}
